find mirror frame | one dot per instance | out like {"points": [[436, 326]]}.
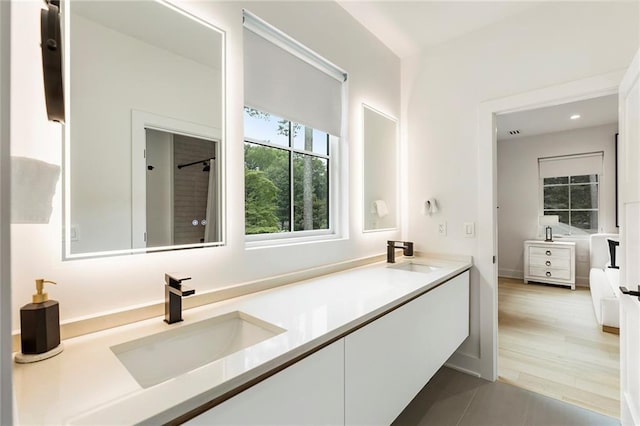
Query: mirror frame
{"points": [[396, 197], [221, 139]]}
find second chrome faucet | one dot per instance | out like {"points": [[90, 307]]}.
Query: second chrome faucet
{"points": [[174, 291]]}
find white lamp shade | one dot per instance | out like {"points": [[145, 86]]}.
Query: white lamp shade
{"points": [[549, 220]]}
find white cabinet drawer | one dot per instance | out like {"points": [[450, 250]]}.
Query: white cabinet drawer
{"points": [[550, 262], [548, 273], [558, 252]]}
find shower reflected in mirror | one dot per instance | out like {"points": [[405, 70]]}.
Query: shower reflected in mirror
{"points": [[181, 199]]}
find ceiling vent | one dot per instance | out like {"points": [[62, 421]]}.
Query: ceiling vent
{"points": [[514, 132]]}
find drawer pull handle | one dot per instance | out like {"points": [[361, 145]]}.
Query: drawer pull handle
{"points": [[548, 274], [548, 253], [548, 263]]}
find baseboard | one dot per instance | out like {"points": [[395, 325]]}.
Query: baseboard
{"points": [[468, 364], [609, 329], [511, 273], [582, 281], [463, 370]]}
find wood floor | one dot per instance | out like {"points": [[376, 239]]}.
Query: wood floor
{"points": [[549, 342]]}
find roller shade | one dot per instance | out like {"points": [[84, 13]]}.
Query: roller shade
{"points": [[571, 165], [285, 78]]}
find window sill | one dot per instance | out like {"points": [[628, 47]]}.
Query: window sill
{"points": [[252, 243]]}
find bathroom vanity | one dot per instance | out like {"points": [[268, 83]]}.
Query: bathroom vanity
{"points": [[325, 350]]}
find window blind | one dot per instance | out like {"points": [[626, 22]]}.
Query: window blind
{"points": [[284, 77], [570, 165]]}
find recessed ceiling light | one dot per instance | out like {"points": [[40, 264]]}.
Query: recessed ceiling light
{"points": [[575, 116]]}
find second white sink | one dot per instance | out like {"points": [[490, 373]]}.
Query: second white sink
{"points": [[415, 267], [162, 356]]}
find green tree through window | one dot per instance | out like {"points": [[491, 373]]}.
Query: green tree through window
{"points": [[286, 178]]}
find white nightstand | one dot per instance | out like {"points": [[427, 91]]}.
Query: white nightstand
{"points": [[550, 262]]}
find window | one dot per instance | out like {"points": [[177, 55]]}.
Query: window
{"points": [[575, 200], [570, 188], [293, 118], [286, 171]]}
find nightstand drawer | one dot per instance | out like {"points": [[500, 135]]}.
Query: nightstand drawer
{"points": [[548, 273], [558, 252], [554, 262]]}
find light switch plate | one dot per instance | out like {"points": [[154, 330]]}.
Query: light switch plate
{"points": [[75, 233], [469, 230], [442, 229]]}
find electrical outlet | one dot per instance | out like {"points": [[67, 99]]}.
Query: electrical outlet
{"points": [[442, 229]]}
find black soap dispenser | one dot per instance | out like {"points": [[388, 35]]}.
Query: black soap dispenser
{"points": [[39, 327]]}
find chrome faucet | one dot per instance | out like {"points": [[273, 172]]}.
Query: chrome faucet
{"points": [[406, 246], [174, 291]]}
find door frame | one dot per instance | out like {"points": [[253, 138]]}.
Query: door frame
{"points": [[602, 85], [140, 122], [6, 363], [628, 203]]}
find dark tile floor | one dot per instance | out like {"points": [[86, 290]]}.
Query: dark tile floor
{"points": [[454, 398]]}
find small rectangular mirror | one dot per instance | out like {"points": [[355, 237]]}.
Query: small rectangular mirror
{"points": [[380, 137], [144, 137]]}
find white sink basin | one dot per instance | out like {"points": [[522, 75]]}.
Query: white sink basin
{"points": [[162, 356], [415, 267]]}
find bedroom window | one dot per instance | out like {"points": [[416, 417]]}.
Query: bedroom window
{"points": [[570, 188], [575, 200]]}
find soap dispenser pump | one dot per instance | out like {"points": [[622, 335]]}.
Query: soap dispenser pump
{"points": [[39, 327]]}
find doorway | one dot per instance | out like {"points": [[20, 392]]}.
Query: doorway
{"points": [[487, 195], [176, 183], [510, 291]]}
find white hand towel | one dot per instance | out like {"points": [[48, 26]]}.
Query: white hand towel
{"points": [[381, 208], [33, 184]]}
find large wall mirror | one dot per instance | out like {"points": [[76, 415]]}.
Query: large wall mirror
{"points": [[144, 138], [380, 140]]}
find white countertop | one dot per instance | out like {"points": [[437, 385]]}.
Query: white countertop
{"points": [[87, 384]]}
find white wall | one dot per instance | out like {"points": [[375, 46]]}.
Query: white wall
{"points": [[518, 192], [6, 400], [443, 88], [88, 287]]}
